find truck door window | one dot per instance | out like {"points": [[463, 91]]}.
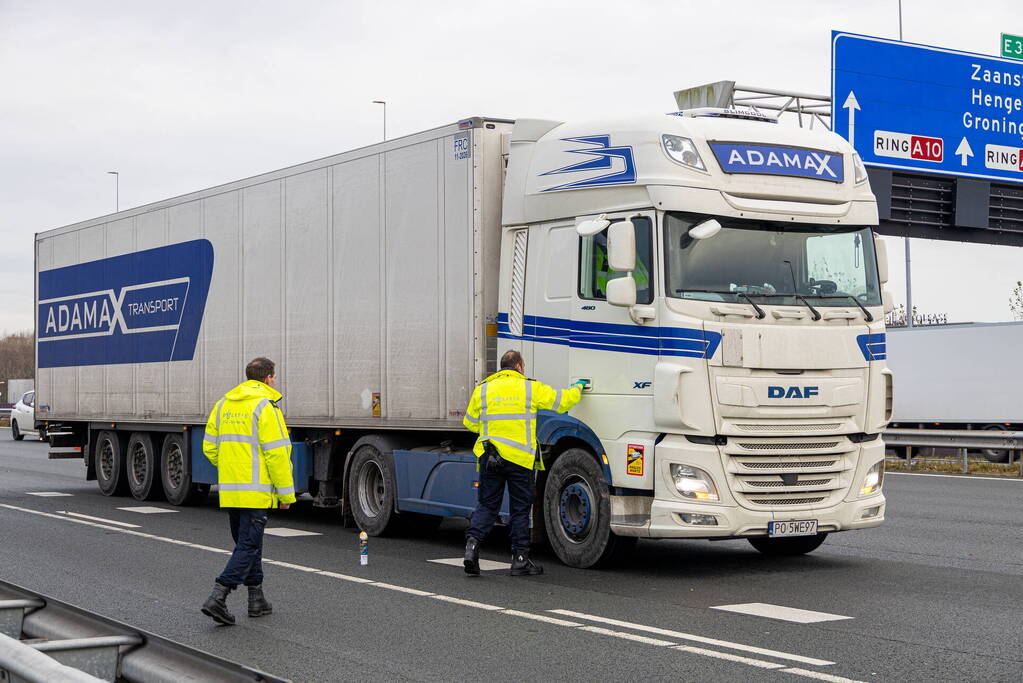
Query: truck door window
{"points": [[594, 272]]}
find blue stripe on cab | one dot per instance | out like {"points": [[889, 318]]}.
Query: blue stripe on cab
{"points": [[873, 346], [648, 341]]}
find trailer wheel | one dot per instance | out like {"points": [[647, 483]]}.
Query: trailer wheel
{"points": [[143, 467], [577, 512], [787, 547], [994, 455], [109, 461], [176, 472], [371, 491]]}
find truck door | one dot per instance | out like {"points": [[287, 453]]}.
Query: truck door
{"points": [[608, 348]]}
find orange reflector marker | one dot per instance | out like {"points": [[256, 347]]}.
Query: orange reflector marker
{"points": [[491, 330], [604, 458], [337, 432]]}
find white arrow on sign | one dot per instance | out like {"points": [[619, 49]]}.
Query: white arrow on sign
{"points": [[852, 105], [963, 150]]}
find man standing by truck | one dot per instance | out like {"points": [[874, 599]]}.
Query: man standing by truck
{"points": [[503, 411], [248, 443]]}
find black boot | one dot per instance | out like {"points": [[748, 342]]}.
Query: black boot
{"points": [[522, 566], [472, 557], [215, 606], [258, 606]]}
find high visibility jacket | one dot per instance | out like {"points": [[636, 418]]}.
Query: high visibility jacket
{"points": [[602, 271], [503, 408], [248, 443]]}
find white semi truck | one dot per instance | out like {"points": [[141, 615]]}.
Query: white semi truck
{"points": [[712, 274], [983, 393]]}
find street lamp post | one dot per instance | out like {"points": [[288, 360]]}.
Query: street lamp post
{"points": [[117, 189], [383, 102]]}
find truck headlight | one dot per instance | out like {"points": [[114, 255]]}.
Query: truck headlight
{"points": [[683, 151], [860, 171], [694, 483], [872, 482]]}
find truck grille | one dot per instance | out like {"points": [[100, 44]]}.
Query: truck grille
{"points": [[820, 427], [787, 471]]}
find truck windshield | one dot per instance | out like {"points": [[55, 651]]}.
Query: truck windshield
{"points": [[771, 262]]}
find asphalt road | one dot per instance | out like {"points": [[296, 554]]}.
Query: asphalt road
{"points": [[934, 594]]}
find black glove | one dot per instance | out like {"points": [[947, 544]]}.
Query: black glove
{"points": [[492, 465]]}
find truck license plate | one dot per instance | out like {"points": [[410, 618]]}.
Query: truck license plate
{"points": [[803, 527]]}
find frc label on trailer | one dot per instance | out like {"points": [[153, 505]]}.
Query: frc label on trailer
{"points": [[144, 307], [906, 146], [461, 148], [634, 462]]}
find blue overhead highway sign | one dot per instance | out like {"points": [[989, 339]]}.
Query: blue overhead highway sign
{"points": [[930, 109]]}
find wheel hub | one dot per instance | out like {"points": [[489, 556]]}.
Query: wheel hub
{"points": [[576, 509], [106, 460], [175, 467], [371, 488]]}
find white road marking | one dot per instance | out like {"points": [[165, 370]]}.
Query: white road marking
{"points": [[763, 609], [729, 656], [99, 519], [511, 612], [540, 617], [485, 565], [285, 532], [146, 509], [626, 636], [48, 494], [696, 639], [402, 589], [820, 676], [344, 577], [954, 476], [467, 603]]}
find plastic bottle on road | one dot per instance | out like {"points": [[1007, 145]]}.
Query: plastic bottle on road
{"points": [[363, 548]]}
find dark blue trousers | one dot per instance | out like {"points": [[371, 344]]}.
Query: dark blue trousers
{"points": [[520, 498], [246, 563]]}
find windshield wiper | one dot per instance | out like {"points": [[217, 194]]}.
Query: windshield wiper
{"points": [[866, 314], [760, 312]]}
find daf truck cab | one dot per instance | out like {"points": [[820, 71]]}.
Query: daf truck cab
{"points": [[713, 277]]}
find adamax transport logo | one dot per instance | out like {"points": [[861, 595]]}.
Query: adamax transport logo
{"points": [[142, 307]]}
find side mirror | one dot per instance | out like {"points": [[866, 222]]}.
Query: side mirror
{"points": [[621, 247], [882, 259], [591, 226], [887, 300], [621, 291], [707, 228]]}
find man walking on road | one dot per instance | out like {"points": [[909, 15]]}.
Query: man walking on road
{"points": [[502, 411], [248, 443]]}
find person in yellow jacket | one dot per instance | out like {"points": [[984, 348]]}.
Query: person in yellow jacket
{"points": [[503, 411], [248, 443]]}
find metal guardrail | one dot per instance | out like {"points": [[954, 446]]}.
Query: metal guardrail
{"points": [[960, 439], [42, 639], [5, 412]]}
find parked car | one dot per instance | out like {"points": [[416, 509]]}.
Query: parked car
{"points": [[23, 418]]}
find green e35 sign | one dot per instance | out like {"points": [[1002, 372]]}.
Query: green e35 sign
{"points": [[1012, 46]]}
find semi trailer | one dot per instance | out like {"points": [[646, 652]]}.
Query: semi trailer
{"points": [[981, 394], [711, 274]]}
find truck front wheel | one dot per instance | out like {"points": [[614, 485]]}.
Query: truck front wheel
{"points": [[109, 460], [371, 491], [577, 512], [143, 465], [787, 547]]}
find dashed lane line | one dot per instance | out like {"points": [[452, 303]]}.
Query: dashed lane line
{"points": [[806, 673], [694, 638], [285, 532], [763, 609], [98, 519], [48, 494], [146, 509], [485, 565]]}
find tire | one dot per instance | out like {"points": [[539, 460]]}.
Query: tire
{"points": [[15, 430], [371, 491], [577, 512], [142, 467], [176, 472], [109, 462], [993, 455], [787, 547]]}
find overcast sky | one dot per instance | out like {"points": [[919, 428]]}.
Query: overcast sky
{"points": [[178, 96]]}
